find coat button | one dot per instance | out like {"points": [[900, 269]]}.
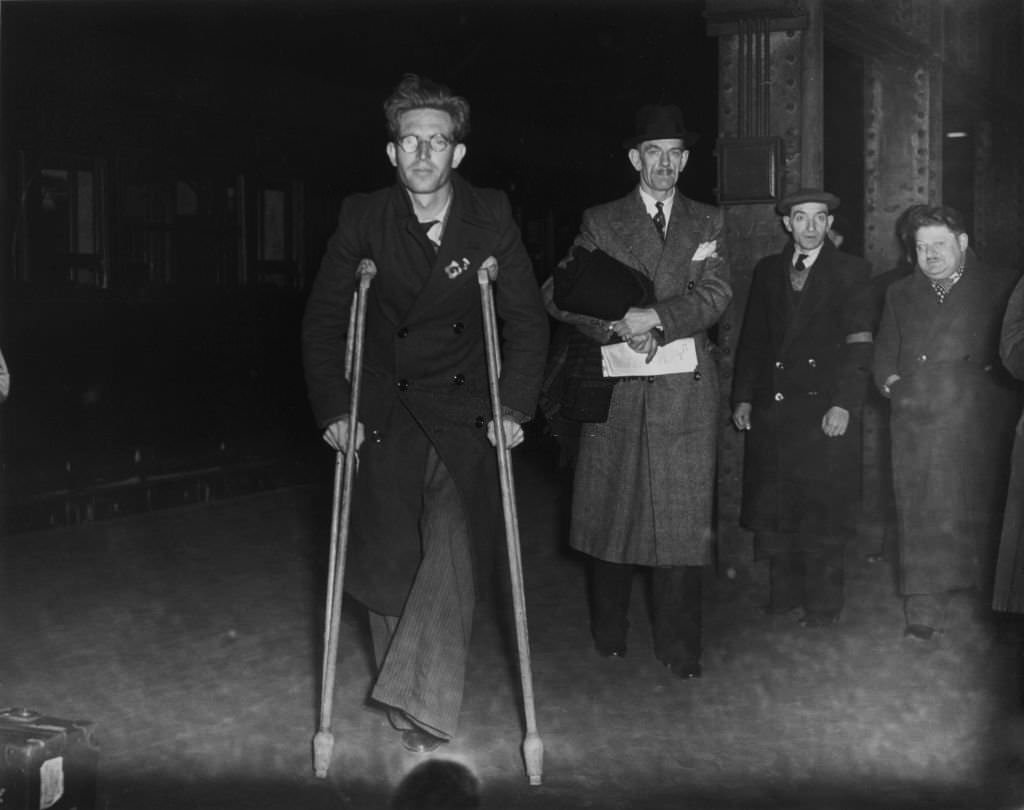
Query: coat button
{"points": [[690, 285], [403, 332], [696, 375], [458, 327], [812, 362], [458, 379], [403, 385], [779, 365], [376, 436], [779, 397], [923, 358], [480, 421]]}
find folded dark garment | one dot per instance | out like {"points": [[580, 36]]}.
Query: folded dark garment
{"points": [[574, 387], [593, 283]]}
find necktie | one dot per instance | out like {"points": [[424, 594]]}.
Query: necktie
{"points": [[797, 274], [659, 220], [427, 227]]}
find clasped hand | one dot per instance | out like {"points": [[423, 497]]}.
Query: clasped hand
{"points": [[640, 329]]}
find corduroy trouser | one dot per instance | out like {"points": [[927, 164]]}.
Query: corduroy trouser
{"points": [[421, 655]]}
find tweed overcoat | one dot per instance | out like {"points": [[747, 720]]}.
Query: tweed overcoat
{"points": [[425, 377], [952, 414], [1009, 584], [644, 479], [793, 363]]}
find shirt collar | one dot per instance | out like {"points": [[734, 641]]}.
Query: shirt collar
{"points": [[436, 231], [649, 203], [810, 256]]}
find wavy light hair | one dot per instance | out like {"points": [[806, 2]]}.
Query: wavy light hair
{"points": [[417, 93]]}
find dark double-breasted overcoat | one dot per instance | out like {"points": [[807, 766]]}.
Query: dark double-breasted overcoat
{"points": [[644, 479], [793, 363], [952, 414], [425, 379]]}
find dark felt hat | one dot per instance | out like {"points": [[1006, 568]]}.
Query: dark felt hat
{"points": [[785, 205], [657, 121]]}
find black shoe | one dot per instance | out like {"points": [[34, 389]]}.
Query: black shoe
{"points": [[922, 632], [610, 650], [398, 719], [419, 741], [819, 618], [685, 668]]}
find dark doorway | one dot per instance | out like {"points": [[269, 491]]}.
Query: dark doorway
{"points": [[844, 141], [958, 145]]}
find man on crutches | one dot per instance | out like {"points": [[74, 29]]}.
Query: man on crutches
{"points": [[425, 508]]}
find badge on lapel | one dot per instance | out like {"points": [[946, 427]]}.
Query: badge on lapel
{"points": [[456, 267], [705, 250]]}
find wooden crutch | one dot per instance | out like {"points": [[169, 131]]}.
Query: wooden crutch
{"points": [[533, 748], [341, 508]]}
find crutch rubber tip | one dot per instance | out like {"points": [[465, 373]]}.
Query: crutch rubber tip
{"points": [[533, 753], [323, 748]]}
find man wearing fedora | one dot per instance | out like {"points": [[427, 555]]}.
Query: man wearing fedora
{"points": [[644, 478], [801, 374]]}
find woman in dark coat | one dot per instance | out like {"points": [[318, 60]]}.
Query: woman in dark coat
{"points": [[937, 358], [1009, 587]]}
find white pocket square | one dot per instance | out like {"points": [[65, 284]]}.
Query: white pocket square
{"points": [[705, 250]]}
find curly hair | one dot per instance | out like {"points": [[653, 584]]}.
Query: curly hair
{"points": [[923, 216], [416, 93]]}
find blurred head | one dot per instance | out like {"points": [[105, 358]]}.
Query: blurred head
{"points": [[426, 125], [939, 238], [905, 239], [839, 231], [437, 784]]}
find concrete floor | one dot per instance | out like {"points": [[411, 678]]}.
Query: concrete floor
{"points": [[191, 638]]}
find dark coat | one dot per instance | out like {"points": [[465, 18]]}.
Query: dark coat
{"points": [[793, 363], [1009, 583], [425, 376], [952, 416], [644, 480]]}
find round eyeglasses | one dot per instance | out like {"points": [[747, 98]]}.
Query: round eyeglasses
{"points": [[411, 143]]}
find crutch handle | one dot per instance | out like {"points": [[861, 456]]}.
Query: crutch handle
{"points": [[367, 269], [488, 271], [365, 272]]}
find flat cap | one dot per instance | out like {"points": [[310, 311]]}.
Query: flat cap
{"points": [[785, 205]]}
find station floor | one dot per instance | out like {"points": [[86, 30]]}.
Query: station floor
{"points": [[191, 638]]}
